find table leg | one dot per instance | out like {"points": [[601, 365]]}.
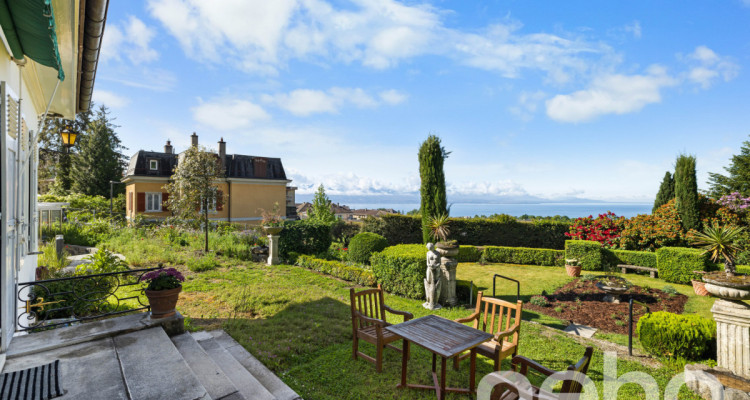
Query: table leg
{"points": [[404, 362], [472, 370], [441, 393]]}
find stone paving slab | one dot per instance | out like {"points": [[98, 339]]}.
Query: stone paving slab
{"points": [[580, 330], [208, 373], [248, 385]]}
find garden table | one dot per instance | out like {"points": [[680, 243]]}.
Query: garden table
{"points": [[444, 338]]}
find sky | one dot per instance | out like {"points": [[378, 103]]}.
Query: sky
{"points": [[555, 100]]}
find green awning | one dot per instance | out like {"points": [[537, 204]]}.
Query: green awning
{"points": [[29, 27]]}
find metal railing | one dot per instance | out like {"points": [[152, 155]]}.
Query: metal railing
{"points": [[59, 302], [518, 285]]}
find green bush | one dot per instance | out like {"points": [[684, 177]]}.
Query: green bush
{"points": [[80, 234], [401, 269], [587, 252], [304, 237], [363, 245], [343, 232], [629, 257], [676, 264], [404, 229], [688, 336], [524, 256], [468, 254], [201, 264], [338, 269]]}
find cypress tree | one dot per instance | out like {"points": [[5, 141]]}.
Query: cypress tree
{"points": [[686, 192], [666, 192], [432, 190]]}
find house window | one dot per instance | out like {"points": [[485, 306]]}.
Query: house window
{"points": [[153, 165], [211, 205], [153, 202]]}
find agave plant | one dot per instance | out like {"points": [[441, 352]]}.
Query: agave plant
{"points": [[721, 242], [438, 225]]}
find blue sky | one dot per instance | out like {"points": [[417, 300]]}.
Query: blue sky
{"points": [[548, 99]]}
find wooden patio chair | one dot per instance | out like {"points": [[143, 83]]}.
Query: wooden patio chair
{"points": [[570, 389], [505, 342], [369, 321]]}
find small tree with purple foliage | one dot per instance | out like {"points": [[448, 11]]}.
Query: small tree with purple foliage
{"points": [[735, 202]]}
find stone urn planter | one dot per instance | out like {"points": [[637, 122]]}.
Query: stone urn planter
{"points": [[163, 302], [732, 317], [447, 249], [448, 263], [719, 285], [613, 286], [273, 230]]}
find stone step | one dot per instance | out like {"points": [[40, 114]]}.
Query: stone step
{"points": [[270, 381], [205, 369], [154, 369], [249, 387]]}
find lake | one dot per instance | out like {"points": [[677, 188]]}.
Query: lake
{"points": [[573, 210]]}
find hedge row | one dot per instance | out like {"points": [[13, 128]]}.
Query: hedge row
{"points": [[630, 257], [401, 269], [525, 256], [338, 269], [676, 264], [404, 229], [688, 336], [304, 237], [587, 252]]}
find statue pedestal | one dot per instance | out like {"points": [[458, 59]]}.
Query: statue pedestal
{"points": [[448, 281], [732, 336], [273, 249]]}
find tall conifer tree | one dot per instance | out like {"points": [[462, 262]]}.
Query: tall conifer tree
{"points": [[686, 191], [737, 178], [433, 201], [666, 192], [100, 157]]}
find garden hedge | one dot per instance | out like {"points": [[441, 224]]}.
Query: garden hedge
{"points": [[630, 257], [676, 264], [587, 252], [338, 269], [404, 229], [304, 237], [363, 245], [688, 336], [525, 256], [401, 269], [468, 254]]}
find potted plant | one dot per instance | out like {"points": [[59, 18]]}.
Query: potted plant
{"points": [[163, 291], [439, 231], [272, 222], [722, 243], [572, 267]]}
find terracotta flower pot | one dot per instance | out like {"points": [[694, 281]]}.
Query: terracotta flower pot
{"points": [[163, 302], [573, 270], [699, 287]]}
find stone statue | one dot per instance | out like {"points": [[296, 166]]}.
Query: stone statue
{"points": [[432, 282]]}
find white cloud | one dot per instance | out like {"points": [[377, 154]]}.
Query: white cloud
{"points": [[131, 39], [305, 102], [634, 28], [527, 104], [707, 67], [110, 99], [610, 94], [229, 114], [393, 96]]}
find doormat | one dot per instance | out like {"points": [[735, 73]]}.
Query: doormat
{"points": [[37, 383]]}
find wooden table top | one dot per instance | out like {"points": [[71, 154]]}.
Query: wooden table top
{"points": [[439, 335]]}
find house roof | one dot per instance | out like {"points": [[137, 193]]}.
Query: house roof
{"points": [[237, 166]]}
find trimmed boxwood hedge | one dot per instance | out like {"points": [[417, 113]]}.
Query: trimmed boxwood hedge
{"points": [[688, 336], [522, 255], [338, 269], [630, 257], [468, 254], [304, 237], [401, 269], [676, 264], [405, 229], [587, 252], [363, 245]]}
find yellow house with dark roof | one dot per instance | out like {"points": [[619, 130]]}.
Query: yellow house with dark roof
{"points": [[250, 185]]}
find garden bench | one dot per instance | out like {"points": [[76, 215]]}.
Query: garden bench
{"points": [[652, 271]]}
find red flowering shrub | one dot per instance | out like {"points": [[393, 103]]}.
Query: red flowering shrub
{"points": [[651, 231], [605, 229]]}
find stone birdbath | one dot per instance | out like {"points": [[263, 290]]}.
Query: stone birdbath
{"points": [[613, 286]]}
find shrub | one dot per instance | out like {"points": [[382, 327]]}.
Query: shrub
{"points": [[676, 264], [343, 232], [397, 229], [201, 264], [77, 233], [50, 259], [304, 237], [604, 229], [363, 245], [338, 269], [102, 262], [587, 252], [540, 301], [669, 289], [401, 269], [651, 231], [672, 335], [629, 257], [525, 256], [468, 254]]}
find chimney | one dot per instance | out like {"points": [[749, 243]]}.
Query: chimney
{"points": [[222, 154], [194, 139], [168, 147]]}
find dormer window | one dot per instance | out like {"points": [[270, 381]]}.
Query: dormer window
{"points": [[153, 165]]}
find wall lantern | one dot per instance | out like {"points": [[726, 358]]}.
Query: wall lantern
{"points": [[69, 135]]}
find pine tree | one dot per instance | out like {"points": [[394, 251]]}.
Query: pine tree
{"points": [[738, 178], [55, 160], [666, 192], [321, 207], [433, 201], [686, 192], [100, 157]]}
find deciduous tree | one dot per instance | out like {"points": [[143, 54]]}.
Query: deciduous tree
{"points": [[321, 207]]}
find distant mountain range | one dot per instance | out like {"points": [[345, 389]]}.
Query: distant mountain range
{"points": [[470, 199]]}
